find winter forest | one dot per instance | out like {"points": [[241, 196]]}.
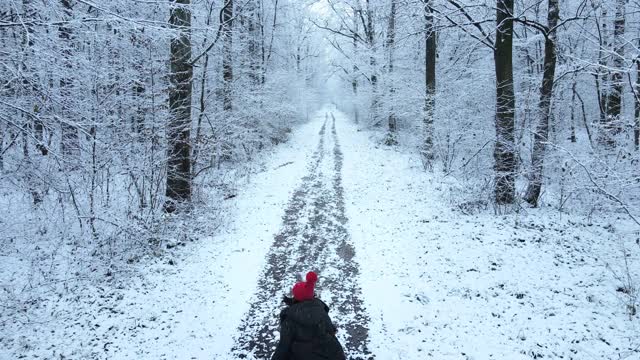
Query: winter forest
{"points": [[463, 176]]}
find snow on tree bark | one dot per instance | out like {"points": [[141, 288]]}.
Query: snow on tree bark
{"points": [[428, 154], [252, 26], [541, 133], [178, 188], [391, 138], [70, 142], [354, 74], [31, 79], [636, 130], [611, 74], [505, 151], [370, 34], [614, 99], [227, 55]]}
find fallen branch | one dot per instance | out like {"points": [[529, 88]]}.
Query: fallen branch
{"points": [[283, 165]]}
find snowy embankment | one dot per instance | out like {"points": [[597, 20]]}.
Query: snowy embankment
{"points": [[189, 309], [197, 308], [443, 285]]}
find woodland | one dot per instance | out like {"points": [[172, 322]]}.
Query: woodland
{"points": [[128, 126]]}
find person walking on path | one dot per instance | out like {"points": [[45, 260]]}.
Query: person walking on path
{"points": [[306, 330]]}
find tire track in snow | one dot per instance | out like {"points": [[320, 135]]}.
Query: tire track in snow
{"points": [[313, 237]]}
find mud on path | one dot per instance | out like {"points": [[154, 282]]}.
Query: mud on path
{"points": [[313, 237]]}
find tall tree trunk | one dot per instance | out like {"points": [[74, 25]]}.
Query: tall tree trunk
{"points": [[428, 154], [202, 100], [179, 130], [354, 80], [2, 149], [611, 81], [370, 33], [70, 140], [636, 131], [573, 111], [31, 79], [139, 86], [602, 75], [541, 135], [227, 55], [252, 13], [391, 43], [504, 152], [614, 99], [266, 53], [261, 42]]}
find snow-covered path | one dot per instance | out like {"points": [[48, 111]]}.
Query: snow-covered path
{"points": [[313, 237]]}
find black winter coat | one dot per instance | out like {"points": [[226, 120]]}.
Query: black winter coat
{"points": [[307, 333]]}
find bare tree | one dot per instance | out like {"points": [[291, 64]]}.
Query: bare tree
{"points": [[357, 12], [504, 151], [614, 96], [227, 54], [610, 76], [391, 138], [70, 141], [255, 40], [369, 30], [179, 129], [546, 93], [31, 79], [636, 131], [430, 85]]}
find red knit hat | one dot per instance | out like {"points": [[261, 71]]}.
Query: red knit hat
{"points": [[304, 290]]}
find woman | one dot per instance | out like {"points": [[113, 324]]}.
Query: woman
{"points": [[306, 331]]}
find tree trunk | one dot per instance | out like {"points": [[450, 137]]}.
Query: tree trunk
{"points": [[253, 28], [636, 131], [611, 81], [504, 152], [614, 99], [428, 154], [202, 101], [2, 149], [602, 76], [266, 53], [261, 42], [31, 79], [370, 33], [139, 86], [70, 140], [391, 39], [179, 130], [573, 111], [354, 80], [541, 135], [227, 55]]}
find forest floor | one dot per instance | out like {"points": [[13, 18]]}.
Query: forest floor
{"points": [[407, 274]]}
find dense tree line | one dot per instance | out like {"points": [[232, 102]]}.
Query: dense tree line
{"points": [[114, 113], [565, 102]]}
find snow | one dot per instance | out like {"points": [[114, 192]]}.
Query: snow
{"points": [[435, 283], [440, 284], [186, 311]]}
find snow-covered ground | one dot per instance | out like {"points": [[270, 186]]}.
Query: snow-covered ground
{"points": [[435, 283], [190, 310], [443, 285]]}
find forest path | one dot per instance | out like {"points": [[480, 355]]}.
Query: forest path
{"points": [[314, 236]]}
